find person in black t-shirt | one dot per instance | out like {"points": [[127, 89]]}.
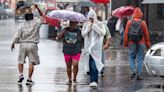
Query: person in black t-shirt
{"points": [[72, 46]]}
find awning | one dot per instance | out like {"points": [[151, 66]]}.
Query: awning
{"points": [[153, 2], [67, 1]]}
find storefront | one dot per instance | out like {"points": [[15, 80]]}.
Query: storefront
{"points": [[154, 16]]}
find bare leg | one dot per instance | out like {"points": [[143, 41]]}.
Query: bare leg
{"points": [[75, 69], [20, 67], [30, 71], [69, 70], [21, 78]]}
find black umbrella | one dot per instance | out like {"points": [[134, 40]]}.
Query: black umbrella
{"points": [[86, 3]]}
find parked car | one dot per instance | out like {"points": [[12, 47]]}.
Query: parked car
{"points": [[3, 13], [154, 59]]}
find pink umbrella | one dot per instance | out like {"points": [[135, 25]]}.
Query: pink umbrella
{"points": [[123, 11]]}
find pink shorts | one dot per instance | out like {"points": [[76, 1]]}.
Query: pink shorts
{"points": [[69, 58]]}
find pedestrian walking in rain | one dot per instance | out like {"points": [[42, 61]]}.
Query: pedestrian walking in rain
{"points": [[120, 26], [28, 38], [111, 25], [93, 32], [136, 38], [106, 44], [72, 46]]}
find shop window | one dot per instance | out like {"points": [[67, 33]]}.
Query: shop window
{"points": [[160, 11]]}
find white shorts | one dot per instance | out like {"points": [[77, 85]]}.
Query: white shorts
{"points": [[29, 50]]}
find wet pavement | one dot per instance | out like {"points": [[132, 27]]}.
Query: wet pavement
{"points": [[50, 75]]}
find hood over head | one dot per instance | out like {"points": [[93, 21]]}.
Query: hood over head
{"points": [[92, 14], [137, 13]]}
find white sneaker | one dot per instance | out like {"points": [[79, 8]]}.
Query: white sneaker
{"points": [[93, 85]]}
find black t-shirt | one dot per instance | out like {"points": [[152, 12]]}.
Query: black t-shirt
{"points": [[72, 42]]}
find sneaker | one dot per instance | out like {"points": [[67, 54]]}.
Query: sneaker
{"points": [[30, 82], [21, 78], [93, 85], [132, 76], [69, 82], [139, 77]]}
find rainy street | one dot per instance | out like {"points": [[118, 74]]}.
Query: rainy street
{"points": [[50, 75]]}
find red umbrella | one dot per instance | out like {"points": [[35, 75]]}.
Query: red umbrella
{"points": [[123, 11], [101, 1]]}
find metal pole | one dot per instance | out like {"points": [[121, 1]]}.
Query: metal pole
{"points": [[147, 14], [111, 7], [106, 11]]}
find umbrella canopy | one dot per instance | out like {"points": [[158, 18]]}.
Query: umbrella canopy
{"points": [[123, 11], [67, 15], [101, 1], [86, 3]]}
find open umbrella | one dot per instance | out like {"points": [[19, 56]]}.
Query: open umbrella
{"points": [[101, 1], [86, 3], [123, 11], [67, 15]]}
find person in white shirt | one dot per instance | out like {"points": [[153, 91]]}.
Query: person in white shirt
{"points": [[28, 38]]}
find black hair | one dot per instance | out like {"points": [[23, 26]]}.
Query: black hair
{"points": [[29, 16]]}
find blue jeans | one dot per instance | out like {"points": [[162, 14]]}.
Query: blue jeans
{"points": [[136, 55], [93, 70]]}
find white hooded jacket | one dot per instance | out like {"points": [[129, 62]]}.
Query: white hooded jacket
{"points": [[93, 41]]}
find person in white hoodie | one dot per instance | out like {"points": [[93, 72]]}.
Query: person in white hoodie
{"points": [[93, 32]]}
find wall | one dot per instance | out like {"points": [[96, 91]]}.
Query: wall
{"points": [[156, 26], [154, 23]]}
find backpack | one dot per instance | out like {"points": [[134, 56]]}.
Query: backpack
{"points": [[135, 32]]}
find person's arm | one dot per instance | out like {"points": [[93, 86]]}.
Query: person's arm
{"points": [[146, 34], [108, 32], [40, 12], [98, 29], [16, 38], [107, 44], [50, 21], [126, 33], [61, 34], [86, 29], [108, 39]]}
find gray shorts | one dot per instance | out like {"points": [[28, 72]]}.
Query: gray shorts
{"points": [[29, 50]]}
